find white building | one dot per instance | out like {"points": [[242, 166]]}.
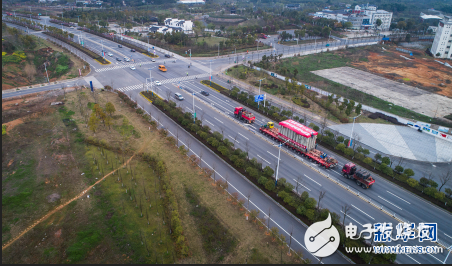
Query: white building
{"points": [[192, 2], [443, 39], [179, 25], [374, 15]]}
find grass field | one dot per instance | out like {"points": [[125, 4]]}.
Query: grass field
{"points": [[119, 222]]}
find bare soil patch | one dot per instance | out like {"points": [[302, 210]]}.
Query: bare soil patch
{"points": [[422, 72]]}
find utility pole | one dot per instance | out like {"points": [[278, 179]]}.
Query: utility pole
{"points": [[260, 81], [351, 135], [45, 67], [277, 167], [194, 113]]}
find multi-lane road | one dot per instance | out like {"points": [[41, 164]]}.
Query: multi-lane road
{"points": [[384, 202]]}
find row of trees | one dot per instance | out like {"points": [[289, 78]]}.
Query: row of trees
{"points": [[307, 207]]}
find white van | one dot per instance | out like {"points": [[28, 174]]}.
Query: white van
{"points": [[179, 96]]}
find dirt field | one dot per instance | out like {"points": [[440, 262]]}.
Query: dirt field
{"points": [[421, 71]]}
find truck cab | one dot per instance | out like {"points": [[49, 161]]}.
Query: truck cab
{"points": [[242, 114], [362, 177]]}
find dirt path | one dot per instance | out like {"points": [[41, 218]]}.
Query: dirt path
{"points": [[67, 203]]}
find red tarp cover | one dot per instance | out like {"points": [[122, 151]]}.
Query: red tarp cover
{"points": [[298, 128]]}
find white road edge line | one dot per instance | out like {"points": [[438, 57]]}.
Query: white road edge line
{"points": [[243, 136], [218, 120], [264, 160], [363, 212], [413, 259], [233, 139], [397, 197], [447, 235], [313, 180], [209, 122], [348, 216], [300, 184], [389, 202]]}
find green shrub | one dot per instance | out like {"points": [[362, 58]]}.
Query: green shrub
{"points": [[268, 171], [386, 160], [412, 182], [448, 192], [262, 180], [210, 140], [270, 185], [224, 151], [289, 199], [389, 171], [382, 167], [409, 172], [398, 169], [424, 181], [234, 158], [440, 196], [217, 135], [367, 160], [215, 143], [349, 151], [340, 146], [3, 130], [304, 196], [310, 214], [239, 163], [359, 156], [340, 139], [301, 210], [282, 194], [310, 203], [403, 178], [433, 183], [430, 191]]}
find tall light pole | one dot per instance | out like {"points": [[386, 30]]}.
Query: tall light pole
{"points": [[260, 81], [194, 113], [150, 76], [279, 156], [190, 52], [45, 67], [210, 72], [351, 135]]}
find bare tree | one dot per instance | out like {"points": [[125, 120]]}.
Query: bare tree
{"points": [[269, 215], [188, 143], [235, 139], [168, 94], [299, 182], [346, 211], [445, 177], [30, 71], [305, 118], [356, 138], [200, 154], [247, 148], [323, 124], [248, 196], [201, 116], [222, 130], [290, 237], [177, 135], [321, 195]]}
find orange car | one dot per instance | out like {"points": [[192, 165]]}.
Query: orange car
{"points": [[162, 68]]}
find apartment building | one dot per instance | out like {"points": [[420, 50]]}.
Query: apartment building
{"points": [[443, 39]]}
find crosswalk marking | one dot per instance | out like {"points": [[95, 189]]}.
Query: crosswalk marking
{"points": [[123, 66], [166, 81]]}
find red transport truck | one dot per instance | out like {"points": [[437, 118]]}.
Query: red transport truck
{"points": [[242, 114], [300, 139], [361, 177]]}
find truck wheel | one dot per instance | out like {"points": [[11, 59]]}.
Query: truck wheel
{"points": [[358, 183], [363, 186]]}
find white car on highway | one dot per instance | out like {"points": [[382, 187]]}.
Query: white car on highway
{"points": [[132, 67], [126, 59], [158, 83], [110, 54]]}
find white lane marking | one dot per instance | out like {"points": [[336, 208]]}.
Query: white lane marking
{"points": [[243, 136], [436, 258], [363, 212], [264, 160], [198, 107], [233, 139], [313, 180], [301, 184], [189, 109], [447, 235], [218, 120], [353, 219], [273, 155], [397, 197], [390, 202], [413, 259], [209, 122], [336, 172]]}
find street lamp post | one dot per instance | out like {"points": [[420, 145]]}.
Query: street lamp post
{"points": [[351, 135], [150, 77], [210, 72], [190, 52], [279, 156], [194, 113], [260, 81], [45, 67]]}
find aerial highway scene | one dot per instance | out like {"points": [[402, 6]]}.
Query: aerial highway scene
{"points": [[232, 131]]}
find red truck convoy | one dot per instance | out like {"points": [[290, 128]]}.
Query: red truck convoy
{"points": [[362, 177], [300, 139], [242, 114]]}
